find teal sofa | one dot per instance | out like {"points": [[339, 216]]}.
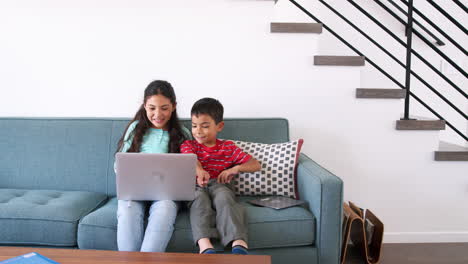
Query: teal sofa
{"points": [[57, 189]]}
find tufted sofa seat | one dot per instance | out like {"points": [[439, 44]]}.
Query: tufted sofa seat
{"points": [[97, 230], [44, 217]]}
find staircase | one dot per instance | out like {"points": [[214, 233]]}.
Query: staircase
{"points": [[446, 152]]}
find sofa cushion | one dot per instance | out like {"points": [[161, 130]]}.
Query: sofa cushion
{"points": [[278, 169], [98, 230], [43, 217], [268, 228], [54, 153]]}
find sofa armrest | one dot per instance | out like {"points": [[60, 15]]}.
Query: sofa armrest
{"points": [[324, 193]]}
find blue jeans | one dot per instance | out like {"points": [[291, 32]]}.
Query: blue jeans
{"points": [[131, 233]]}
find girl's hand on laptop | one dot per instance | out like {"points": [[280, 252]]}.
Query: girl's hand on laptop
{"points": [[226, 175], [203, 178]]}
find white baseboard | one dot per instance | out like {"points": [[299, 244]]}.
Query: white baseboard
{"points": [[425, 237]]}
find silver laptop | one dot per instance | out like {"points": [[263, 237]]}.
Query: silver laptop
{"points": [[150, 177]]}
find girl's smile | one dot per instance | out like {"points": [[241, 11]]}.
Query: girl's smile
{"points": [[159, 110]]}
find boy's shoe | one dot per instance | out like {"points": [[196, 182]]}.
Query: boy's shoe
{"points": [[240, 250], [209, 251]]}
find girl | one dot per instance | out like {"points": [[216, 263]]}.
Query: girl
{"points": [[154, 129]]}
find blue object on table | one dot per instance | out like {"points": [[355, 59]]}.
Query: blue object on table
{"points": [[30, 258]]}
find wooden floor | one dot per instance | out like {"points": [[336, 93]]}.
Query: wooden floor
{"points": [[424, 253]]}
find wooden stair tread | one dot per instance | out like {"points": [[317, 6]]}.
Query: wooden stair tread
{"points": [[451, 152], [420, 124], [295, 27], [339, 60], [380, 93]]}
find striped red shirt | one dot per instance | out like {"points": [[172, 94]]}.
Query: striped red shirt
{"points": [[214, 160]]}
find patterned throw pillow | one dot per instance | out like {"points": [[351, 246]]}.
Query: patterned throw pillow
{"points": [[278, 173]]}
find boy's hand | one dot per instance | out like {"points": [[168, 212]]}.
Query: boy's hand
{"points": [[203, 178], [226, 175]]}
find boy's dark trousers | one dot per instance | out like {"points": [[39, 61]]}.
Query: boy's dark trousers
{"points": [[215, 214]]}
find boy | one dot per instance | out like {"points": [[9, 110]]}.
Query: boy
{"points": [[218, 162]]}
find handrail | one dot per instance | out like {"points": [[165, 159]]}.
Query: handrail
{"points": [[437, 28], [448, 16], [378, 68], [394, 58], [404, 45], [438, 40]]}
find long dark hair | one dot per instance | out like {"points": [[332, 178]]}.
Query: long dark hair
{"points": [[176, 136]]}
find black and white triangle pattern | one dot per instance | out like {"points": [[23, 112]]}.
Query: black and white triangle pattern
{"points": [[276, 176]]}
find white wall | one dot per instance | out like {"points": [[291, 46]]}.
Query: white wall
{"points": [[94, 58]]}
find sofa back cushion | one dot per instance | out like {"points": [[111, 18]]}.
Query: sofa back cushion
{"points": [[261, 130], [77, 154], [54, 154]]}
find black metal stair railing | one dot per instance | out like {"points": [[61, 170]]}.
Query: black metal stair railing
{"points": [[448, 16], [434, 48], [408, 66], [393, 57], [433, 25], [409, 35], [438, 40], [428, 64], [461, 5]]}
